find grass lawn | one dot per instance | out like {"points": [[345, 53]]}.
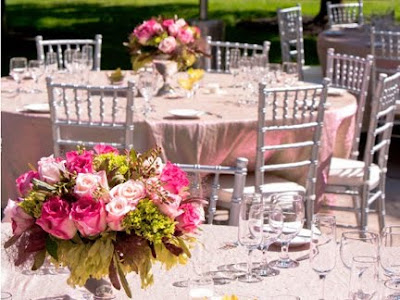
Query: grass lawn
{"points": [[245, 20]]}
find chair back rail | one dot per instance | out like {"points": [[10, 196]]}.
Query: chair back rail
{"points": [[345, 13]]}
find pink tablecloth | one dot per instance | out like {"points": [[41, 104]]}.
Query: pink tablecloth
{"points": [[227, 132]]}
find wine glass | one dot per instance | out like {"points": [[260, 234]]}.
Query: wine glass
{"points": [[51, 63], [146, 86], [250, 233], [234, 57], [292, 205], [68, 60], [390, 258], [357, 243], [273, 223], [36, 69], [363, 278], [87, 52], [323, 246], [18, 68]]}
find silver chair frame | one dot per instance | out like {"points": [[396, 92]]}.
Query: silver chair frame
{"points": [[60, 44], [220, 63], [353, 74], [345, 14], [239, 172], [83, 115]]}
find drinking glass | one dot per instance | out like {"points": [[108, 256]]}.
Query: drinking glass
{"points": [[390, 259], [275, 72], [357, 243], [104, 292], [234, 57], [36, 69], [87, 52], [292, 205], [147, 86], [364, 278], [201, 288], [18, 68], [51, 63], [323, 246], [68, 60], [250, 233], [6, 296]]}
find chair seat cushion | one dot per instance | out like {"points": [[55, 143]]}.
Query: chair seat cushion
{"points": [[272, 184], [350, 172]]}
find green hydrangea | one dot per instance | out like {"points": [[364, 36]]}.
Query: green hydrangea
{"points": [[111, 162], [149, 222], [33, 203]]}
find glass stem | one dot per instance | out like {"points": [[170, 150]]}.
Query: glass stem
{"points": [[322, 277], [249, 263], [284, 251], [264, 262]]}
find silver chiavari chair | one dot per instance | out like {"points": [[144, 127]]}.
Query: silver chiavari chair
{"points": [[87, 115], [353, 74], [345, 14], [205, 183], [220, 53], [364, 180], [60, 45]]}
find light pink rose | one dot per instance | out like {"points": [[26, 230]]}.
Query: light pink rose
{"points": [[116, 209], [156, 164], [185, 35], [89, 216], [132, 191], [50, 169], [170, 207], [173, 29], [167, 45], [87, 183], [191, 217], [174, 179], [102, 149], [55, 219], [181, 22], [24, 182], [20, 220]]}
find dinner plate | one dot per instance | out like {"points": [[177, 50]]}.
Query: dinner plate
{"points": [[186, 113], [301, 239], [37, 107]]}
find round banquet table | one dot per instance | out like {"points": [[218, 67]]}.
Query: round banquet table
{"points": [[226, 131], [301, 281]]}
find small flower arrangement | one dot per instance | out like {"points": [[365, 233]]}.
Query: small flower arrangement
{"points": [[101, 213], [171, 39]]}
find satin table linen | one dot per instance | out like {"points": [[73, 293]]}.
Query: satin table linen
{"points": [[224, 132], [301, 281]]}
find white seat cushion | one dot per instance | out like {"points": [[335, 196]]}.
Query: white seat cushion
{"points": [[351, 172]]}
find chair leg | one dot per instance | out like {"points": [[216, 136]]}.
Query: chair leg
{"points": [[364, 209], [357, 213], [381, 210]]}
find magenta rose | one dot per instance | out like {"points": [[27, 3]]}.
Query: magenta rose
{"points": [[185, 35], [191, 218], [147, 30], [20, 220], [168, 22], [55, 219], [102, 149], [116, 209], [89, 216], [174, 178], [167, 45], [80, 163], [24, 182], [50, 169]]}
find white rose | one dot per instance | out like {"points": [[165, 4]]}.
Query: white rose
{"points": [[50, 170], [87, 183]]}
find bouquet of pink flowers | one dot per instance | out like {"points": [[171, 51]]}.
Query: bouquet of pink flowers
{"points": [[171, 39], [101, 213]]}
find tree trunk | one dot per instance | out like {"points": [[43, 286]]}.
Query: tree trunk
{"points": [[3, 17], [321, 18]]}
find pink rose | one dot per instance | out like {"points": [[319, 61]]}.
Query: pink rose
{"points": [[80, 163], [132, 191], [170, 206], [20, 220], [102, 149], [167, 45], [181, 22], [173, 29], [50, 169], [191, 218], [147, 30], [89, 216], [185, 35], [24, 182], [87, 183], [55, 219], [174, 178], [168, 22], [116, 209]]}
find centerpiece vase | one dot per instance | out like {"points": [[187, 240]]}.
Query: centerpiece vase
{"points": [[166, 68]]}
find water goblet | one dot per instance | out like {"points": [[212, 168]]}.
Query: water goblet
{"points": [[250, 233], [292, 205], [146, 86], [51, 63], [323, 246], [36, 69], [234, 57], [18, 68], [363, 278]]}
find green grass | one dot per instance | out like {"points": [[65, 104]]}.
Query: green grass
{"points": [[115, 19]]}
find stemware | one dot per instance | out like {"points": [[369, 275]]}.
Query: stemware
{"points": [[234, 57], [51, 63], [275, 72], [68, 60], [363, 278], [291, 72], [146, 86], [250, 233], [323, 246], [18, 68], [390, 259], [292, 205], [87, 52], [36, 69]]}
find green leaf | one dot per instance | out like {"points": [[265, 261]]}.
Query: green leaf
{"points": [[184, 247], [122, 277], [39, 260], [43, 185], [52, 247], [11, 241]]}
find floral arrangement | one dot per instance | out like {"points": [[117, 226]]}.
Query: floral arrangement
{"points": [[101, 213], [171, 39]]}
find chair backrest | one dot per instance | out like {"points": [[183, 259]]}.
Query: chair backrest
{"points": [[352, 73], [345, 14], [299, 111], [199, 171], [383, 108], [385, 47], [218, 61], [58, 46], [88, 115], [291, 36]]}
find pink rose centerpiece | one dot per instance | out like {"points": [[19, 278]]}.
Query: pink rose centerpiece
{"points": [[132, 206]]}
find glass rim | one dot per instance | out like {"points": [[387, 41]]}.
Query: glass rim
{"points": [[348, 234], [365, 259]]}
